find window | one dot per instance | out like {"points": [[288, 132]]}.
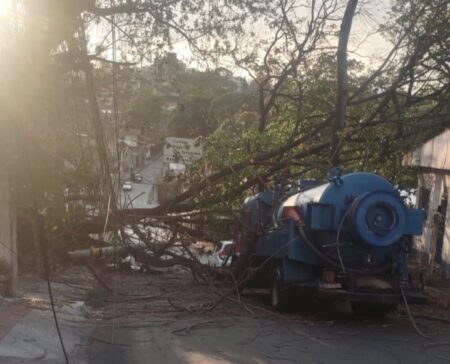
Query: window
{"points": [[218, 247], [228, 248], [424, 199]]}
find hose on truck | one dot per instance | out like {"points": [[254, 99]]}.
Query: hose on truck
{"points": [[333, 262]]}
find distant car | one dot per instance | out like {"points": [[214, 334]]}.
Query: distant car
{"points": [[138, 177], [221, 254], [127, 186]]}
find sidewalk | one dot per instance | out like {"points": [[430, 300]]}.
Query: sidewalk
{"points": [[27, 327]]}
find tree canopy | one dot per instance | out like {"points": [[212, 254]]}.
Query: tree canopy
{"points": [[278, 125], [145, 110]]}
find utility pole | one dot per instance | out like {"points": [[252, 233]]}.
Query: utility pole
{"points": [[8, 234]]}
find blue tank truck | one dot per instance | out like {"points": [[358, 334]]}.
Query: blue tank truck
{"points": [[348, 239]]}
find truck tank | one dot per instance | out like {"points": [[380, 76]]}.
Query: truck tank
{"points": [[359, 216], [344, 240]]}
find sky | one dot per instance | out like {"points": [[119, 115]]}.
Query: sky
{"points": [[364, 44], [368, 46]]}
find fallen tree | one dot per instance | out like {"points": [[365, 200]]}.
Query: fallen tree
{"points": [[291, 132]]}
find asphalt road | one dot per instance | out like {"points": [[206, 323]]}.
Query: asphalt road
{"points": [[142, 195], [247, 340], [163, 324], [163, 317]]}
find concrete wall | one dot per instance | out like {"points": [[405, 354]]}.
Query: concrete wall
{"points": [[437, 183], [8, 235], [445, 255], [433, 160]]}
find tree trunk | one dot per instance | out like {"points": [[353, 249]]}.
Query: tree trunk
{"points": [[342, 79]]}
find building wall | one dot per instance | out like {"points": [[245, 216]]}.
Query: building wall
{"points": [[433, 160], [435, 153], [432, 187], [8, 235], [445, 254]]}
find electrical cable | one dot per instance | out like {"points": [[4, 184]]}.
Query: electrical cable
{"points": [[55, 318], [114, 89], [410, 315], [331, 261], [341, 224], [324, 257], [107, 214], [116, 111], [43, 256], [52, 302]]}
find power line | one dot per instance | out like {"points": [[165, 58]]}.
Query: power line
{"points": [[55, 318], [50, 293], [43, 256], [116, 113]]}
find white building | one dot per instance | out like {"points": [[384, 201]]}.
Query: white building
{"points": [[433, 160]]}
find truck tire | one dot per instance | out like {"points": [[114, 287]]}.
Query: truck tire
{"points": [[281, 297], [371, 309]]}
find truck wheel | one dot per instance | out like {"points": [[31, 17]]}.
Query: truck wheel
{"points": [[280, 295], [371, 309]]}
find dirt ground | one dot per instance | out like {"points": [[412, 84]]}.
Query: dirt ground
{"points": [[163, 318]]}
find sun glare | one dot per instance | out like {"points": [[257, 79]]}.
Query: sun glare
{"points": [[8, 16], [5, 5]]}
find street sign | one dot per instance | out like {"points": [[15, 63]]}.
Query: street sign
{"points": [[182, 150]]}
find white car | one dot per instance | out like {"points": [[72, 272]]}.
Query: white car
{"points": [[222, 250], [127, 186]]}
